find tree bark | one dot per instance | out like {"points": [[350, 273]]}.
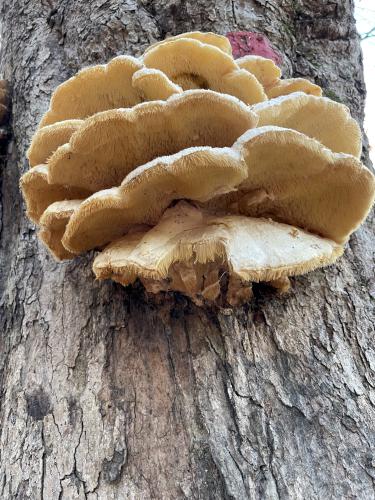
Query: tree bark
{"points": [[106, 394]]}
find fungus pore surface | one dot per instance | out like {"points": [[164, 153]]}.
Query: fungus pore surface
{"points": [[179, 251]]}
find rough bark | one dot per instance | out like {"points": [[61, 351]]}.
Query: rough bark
{"points": [[107, 395]]}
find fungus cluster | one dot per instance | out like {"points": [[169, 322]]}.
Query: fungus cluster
{"points": [[195, 172]]}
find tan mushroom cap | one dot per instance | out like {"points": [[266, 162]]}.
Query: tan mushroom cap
{"points": [[290, 178], [251, 249], [53, 222], [294, 179], [47, 139], [153, 85], [195, 173], [219, 41], [327, 121], [94, 89], [289, 85], [38, 194], [265, 70], [111, 144], [192, 64]]}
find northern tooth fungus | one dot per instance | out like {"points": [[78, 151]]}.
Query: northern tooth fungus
{"points": [[195, 172]]}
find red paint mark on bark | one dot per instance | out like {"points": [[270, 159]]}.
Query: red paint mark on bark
{"points": [[248, 42]]}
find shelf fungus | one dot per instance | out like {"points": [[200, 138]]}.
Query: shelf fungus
{"points": [[219, 41], [121, 83], [327, 121], [294, 179], [196, 65], [196, 173], [39, 194], [53, 223], [153, 84], [290, 85], [265, 70], [47, 139], [111, 144], [198, 254], [269, 75]]}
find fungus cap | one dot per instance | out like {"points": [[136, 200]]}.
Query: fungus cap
{"points": [[111, 144], [192, 64], [196, 174], [94, 89], [219, 41], [218, 192], [153, 85], [247, 248], [290, 85], [327, 121], [294, 179], [265, 70], [38, 194], [53, 223], [47, 139], [327, 193]]}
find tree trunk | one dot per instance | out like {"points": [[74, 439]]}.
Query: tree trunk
{"points": [[108, 395]]}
